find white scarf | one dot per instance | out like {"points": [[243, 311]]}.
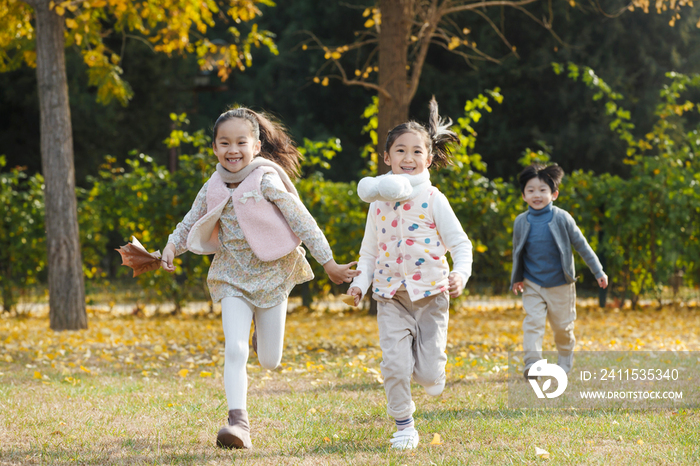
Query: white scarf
{"points": [[239, 176], [394, 188]]}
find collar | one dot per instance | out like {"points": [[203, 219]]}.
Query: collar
{"points": [[391, 187], [543, 211], [257, 162]]}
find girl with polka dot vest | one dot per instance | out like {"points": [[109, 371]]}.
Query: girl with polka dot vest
{"points": [[410, 227]]}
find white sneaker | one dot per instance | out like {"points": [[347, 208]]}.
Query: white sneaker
{"points": [[405, 439]]}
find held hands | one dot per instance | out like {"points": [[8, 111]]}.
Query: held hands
{"points": [[166, 262], [456, 284], [356, 293], [339, 273], [518, 286], [603, 281]]}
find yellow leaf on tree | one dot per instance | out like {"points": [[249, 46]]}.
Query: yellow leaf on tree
{"points": [[436, 440], [324, 82], [369, 23], [183, 372]]}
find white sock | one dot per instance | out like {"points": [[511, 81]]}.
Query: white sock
{"points": [[403, 424]]}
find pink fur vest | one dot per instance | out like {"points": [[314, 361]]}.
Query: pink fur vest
{"points": [[263, 225]]}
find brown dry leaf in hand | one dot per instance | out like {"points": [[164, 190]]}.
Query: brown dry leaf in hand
{"points": [[347, 299], [540, 453], [135, 256]]}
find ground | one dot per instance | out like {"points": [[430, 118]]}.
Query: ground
{"points": [[149, 390]]}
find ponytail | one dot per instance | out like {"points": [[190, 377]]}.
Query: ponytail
{"points": [[440, 136], [276, 144]]}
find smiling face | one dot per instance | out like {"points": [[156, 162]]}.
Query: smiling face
{"points": [[538, 194], [408, 154], [235, 145]]}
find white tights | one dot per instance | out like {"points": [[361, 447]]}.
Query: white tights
{"points": [[236, 316]]}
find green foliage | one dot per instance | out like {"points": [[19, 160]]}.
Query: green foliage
{"points": [[645, 227], [649, 221], [147, 201], [319, 153], [369, 150], [486, 208], [22, 238]]}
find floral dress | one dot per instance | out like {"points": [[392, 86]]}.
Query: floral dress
{"points": [[235, 270]]}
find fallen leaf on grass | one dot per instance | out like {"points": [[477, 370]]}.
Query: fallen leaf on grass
{"points": [[183, 372], [326, 439], [436, 440], [205, 374], [640, 442], [37, 375], [540, 453], [84, 369]]}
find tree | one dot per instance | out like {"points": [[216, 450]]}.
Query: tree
{"points": [[37, 34], [400, 33]]}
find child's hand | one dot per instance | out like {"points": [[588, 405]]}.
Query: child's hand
{"points": [[603, 281], [166, 261], [339, 273], [456, 284], [356, 293], [518, 286]]}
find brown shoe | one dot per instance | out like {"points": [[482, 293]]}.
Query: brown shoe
{"points": [[237, 433]]}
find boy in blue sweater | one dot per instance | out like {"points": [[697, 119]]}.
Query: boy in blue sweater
{"points": [[543, 265]]}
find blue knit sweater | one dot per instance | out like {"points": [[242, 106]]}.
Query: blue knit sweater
{"points": [[541, 258]]}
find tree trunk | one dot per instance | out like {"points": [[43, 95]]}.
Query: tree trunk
{"points": [[393, 75], [66, 285]]}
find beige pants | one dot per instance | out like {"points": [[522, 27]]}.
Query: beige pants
{"points": [[412, 336], [558, 305]]}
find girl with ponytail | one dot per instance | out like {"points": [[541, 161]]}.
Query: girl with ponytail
{"points": [[410, 227], [250, 217]]}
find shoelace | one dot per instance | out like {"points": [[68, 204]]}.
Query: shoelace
{"points": [[404, 439]]}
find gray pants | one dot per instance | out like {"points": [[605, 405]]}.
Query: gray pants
{"points": [[556, 304], [412, 336]]}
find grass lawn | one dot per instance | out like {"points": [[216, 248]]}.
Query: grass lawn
{"points": [[150, 391]]}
